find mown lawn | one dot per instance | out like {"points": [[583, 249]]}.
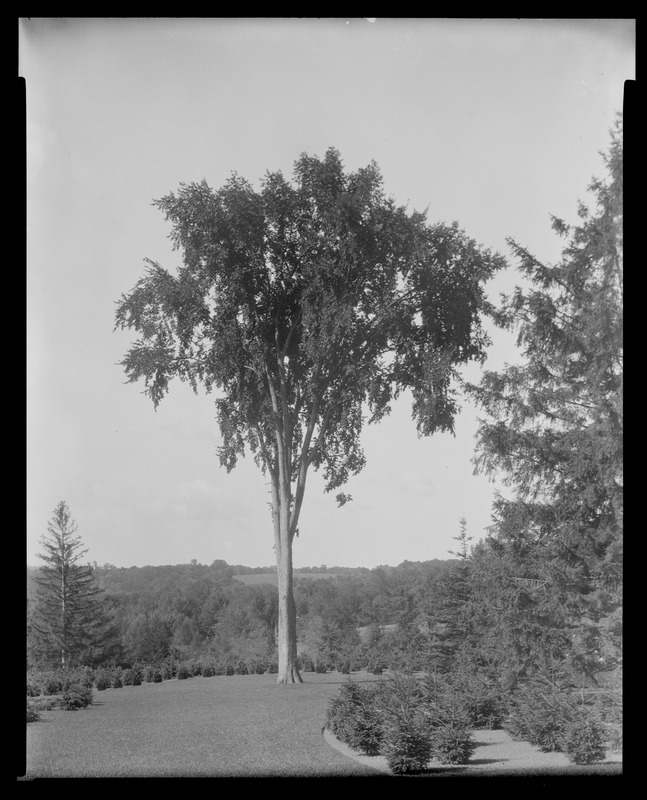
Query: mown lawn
{"points": [[224, 726]]}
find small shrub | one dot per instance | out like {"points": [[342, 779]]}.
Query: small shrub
{"points": [[453, 744], [117, 682], [127, 677], [52, 683], [229, 669], [102, 680], [158, 676], [208, 670], [33, 689], [183, 672], [306, 664], [485, 712], [320, 667], [273, 667], [354, 719], [541, 716], [75, 697], [33, 714], [546, 730], [241, 668], [406, 746], [585, 740]]}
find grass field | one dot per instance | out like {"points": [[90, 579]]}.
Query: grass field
{"points": [[237, 726], [225, 726]]}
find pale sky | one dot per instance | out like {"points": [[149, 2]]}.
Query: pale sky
{"points": [[494, 123]]}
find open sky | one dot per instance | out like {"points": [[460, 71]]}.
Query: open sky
{"points": [[494, 123]]}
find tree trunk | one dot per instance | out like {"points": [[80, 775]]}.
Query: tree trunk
{"points": [[287, 638], [287, 632]]}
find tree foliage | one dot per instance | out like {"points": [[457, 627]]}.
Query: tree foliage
{"points": [[309, 306], [303, 303], [554, 430]]}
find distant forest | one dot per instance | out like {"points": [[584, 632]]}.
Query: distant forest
{"points": [[230, 611]]}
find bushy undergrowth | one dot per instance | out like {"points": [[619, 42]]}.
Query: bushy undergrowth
{"points": [[103, 680], [553, 717], [306, 664], [33, 714], [407, 720], [131, 677], [543, 724], [476, 701], [453, 744], [353, 718], [406, 746], [76, 696], [51, 682], [585, 740], [47, 682]]}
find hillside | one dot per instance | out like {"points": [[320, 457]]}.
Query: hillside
{"points": [[271, 578]]}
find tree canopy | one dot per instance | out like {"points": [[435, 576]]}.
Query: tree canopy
{"points": [[309, 306], [303, 302]]}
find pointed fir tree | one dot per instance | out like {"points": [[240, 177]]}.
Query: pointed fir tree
{"points": [[69, 622], [450, 608], [554, 430]]}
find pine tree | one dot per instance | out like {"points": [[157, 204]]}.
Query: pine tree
{"points": [[554, 430], [450, 607], [69, 619]]}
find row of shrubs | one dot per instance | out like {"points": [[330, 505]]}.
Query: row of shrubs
{"points": [[54, 681], [411, 721], [557, 720]]}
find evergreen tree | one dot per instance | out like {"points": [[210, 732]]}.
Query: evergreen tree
{"points": [[449, 607], [554, 429], [69, 622]]}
